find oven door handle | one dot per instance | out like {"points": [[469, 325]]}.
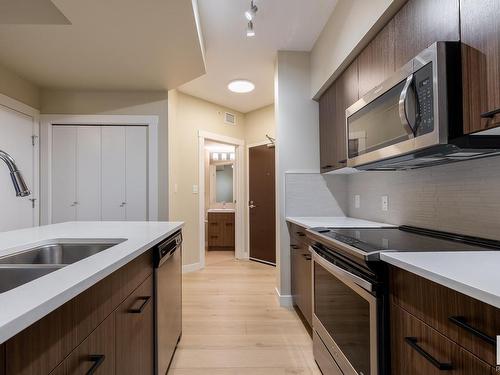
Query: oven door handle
{"points": [[403, 114], [340, 273]]}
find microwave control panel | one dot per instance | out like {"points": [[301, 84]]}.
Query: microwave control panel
{"points": [[424, 100]]}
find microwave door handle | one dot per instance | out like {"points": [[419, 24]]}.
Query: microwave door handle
{"points": [[403, 115]]}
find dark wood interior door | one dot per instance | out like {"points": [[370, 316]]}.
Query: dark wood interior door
{"points": [[262, 204]]}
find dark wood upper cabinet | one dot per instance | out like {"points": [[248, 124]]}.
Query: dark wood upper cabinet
{"points": [[332, 126], [376, 61], [346, 94], [480, 34], [327, 146], [422, 22]]}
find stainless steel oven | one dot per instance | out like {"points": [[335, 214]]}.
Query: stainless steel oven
{"points": [[348, 318]]}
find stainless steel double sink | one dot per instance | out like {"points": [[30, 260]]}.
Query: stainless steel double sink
{"points": [[27, 265]]}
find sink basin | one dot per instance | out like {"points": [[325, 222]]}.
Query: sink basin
{"points": [[30, 264], [58, 253], [13, 277]]}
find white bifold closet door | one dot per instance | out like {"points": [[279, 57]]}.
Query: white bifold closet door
{"points": [[76, 173], [99, 173]]}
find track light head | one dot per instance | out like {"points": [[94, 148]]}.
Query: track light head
{"points": [[250, 13], [250, 30]]}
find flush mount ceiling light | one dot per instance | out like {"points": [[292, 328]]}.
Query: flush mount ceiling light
{"points": [[241, 86], [250, 13], [250, 30]]}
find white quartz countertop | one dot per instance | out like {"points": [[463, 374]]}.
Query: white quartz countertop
{"points": [[335, 222], [473, 273], [26, 304]]}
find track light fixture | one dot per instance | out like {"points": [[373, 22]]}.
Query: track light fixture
{"points": [[250, 13]]}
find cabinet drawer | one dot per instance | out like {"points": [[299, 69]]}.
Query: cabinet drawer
{"points": [[463, 319], [135, 332], [97, 352], [41, 347], [417, 349]]}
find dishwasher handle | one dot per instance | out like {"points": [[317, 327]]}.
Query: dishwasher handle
{"points": [[167, 248]]}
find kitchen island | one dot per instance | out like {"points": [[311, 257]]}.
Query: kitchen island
{"points": [[65, 320]]}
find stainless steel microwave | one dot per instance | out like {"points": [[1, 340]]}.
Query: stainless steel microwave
{"points": [[414, 118]]}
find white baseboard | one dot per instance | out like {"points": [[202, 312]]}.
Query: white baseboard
{"points": [[285, 300], [191, 267]]}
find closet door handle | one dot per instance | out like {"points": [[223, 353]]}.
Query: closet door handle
{"points": [[98, 359], [143, 305], [412, 341], [462, 323], [73, 204], [123, 204]]}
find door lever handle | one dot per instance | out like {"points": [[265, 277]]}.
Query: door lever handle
{"points": [[252, 206], [123, 204]]}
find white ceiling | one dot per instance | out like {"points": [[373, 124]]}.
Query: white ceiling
{"points": [[279, 25], [110, 44]]}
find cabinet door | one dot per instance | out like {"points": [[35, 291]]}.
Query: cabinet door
{"points": [[327, 133], [376, 61], [63, 174], [113, 164], [346, 94], [88, 178], [480, 33], [417, 349], [296, 275], [135, 332], [422, 22], [96, 355], [137, 173], [306, 284]]}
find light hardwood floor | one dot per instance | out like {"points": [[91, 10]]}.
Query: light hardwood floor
{"points": [[233, 324]]}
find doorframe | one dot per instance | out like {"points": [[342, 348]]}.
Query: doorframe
{"points": [[247, 226], [24, 109], [239, 252], [49, 121]]}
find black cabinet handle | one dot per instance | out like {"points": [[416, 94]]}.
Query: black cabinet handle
{"points": [[490, 114], [301, 234], [344, 161], [98, 359], [307, 256], [295, 247], [143, 305], [412, 341], [462, 323], [327, 166]]}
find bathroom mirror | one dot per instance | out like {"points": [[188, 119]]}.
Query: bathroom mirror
{"points": [[224, 183]]}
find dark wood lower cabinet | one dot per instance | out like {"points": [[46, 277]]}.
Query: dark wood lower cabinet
{"points": [[62, 342], [96, 353], [221, 228], [135, 332], [418, 349]]}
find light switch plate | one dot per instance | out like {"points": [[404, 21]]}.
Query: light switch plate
{"points": [[357, 201], [385, 203], [195, 189]]}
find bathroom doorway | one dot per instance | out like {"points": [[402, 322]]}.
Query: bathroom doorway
{"points": [[221, 196]]}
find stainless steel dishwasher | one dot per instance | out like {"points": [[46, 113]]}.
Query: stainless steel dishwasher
{"points": [[168, 300]]}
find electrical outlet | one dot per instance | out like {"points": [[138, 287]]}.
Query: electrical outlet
{"points": [[357, 201], [385, 203]]}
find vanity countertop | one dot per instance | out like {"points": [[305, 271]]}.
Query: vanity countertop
{"points": [[221, 210]]}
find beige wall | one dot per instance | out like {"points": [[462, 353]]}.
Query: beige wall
{"points": [[351, 26], [119, 103], [18, 88], [258, 123], [188, 115]]}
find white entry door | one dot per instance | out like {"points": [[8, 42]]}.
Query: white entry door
{"points": [[16, 131]]}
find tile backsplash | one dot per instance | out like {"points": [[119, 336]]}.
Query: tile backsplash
{"points": [[309, 194], [462, 197]]}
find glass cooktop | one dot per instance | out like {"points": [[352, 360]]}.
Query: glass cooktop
{"points": [[405, 239]]}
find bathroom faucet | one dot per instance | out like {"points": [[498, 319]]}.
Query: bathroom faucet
{"points": [[15, 174]]}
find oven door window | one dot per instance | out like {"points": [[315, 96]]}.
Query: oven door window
{"points": [[377, 125], [346, 317]]}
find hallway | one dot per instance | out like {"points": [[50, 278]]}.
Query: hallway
{"points": [[233, 324]]}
